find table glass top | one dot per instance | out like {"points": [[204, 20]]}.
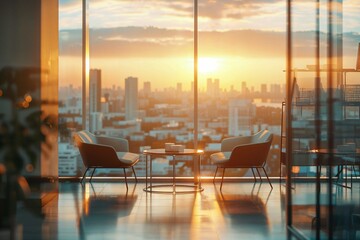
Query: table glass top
{"points": [[161, 151]]}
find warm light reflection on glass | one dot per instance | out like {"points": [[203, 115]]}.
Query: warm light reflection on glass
{"points": [[86, 199], [28, 98], [87, 67], [296, 169], [1, 92], [29, 168], [25, 104]]}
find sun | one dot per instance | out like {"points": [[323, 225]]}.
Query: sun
{"points": [[208, 65]]}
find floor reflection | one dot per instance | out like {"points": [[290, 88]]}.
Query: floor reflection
{"points": [[345, 211], [246, 210], [104, 210], [101, 210]]}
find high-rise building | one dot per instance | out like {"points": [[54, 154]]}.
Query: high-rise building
{"points": [[241, 112], [263, 90], [275, 90], [244, 89], [94, 95], [95, 90], [131, 98], [147, 89], [213, 87], [216, 87], [96, 121], [69, 160]]}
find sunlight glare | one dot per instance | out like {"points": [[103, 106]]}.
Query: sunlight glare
{"points": [[208, 65]]}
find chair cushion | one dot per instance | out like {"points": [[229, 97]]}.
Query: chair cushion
{"points": [[127, 157], [220, 157]]}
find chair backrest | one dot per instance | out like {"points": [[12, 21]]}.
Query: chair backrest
{"points": [[262, 136], [252, 154], [96, 155], [228, 144], [84, 136], [81, 139]]}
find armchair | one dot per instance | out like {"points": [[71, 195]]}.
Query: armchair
{"points": [[104, 152], [243, 152]]}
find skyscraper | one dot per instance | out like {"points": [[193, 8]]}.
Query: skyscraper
{"points": [[95, 91], [241, 112], [147, 89], [131, 98], [213, 87], [263, 90], [94, 98]]}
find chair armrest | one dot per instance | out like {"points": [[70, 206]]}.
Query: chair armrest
{"points": [[228, 144], [119, 144]]}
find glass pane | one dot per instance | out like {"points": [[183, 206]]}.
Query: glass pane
{"points": [[324, 112], [70, 86], [241, 79], [141, 73]]}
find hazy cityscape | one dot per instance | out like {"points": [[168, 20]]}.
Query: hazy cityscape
{"points": [[151, 118]]}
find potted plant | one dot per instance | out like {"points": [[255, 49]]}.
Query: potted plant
{"points": [[23, 132]]}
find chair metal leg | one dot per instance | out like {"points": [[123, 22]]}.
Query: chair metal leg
{"points": [[267, 177], [215, 174], [259, 174], [253, 174], [92, 174], [84, 174], [222, 178], [125, 179], [134, 174]]}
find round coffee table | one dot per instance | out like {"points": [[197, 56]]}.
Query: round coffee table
{"points": [[175, 188]]}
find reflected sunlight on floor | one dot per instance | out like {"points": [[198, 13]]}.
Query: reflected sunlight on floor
{"points": [[107, 211]]}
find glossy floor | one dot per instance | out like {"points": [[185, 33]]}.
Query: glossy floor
{"points": [[108, 211]]}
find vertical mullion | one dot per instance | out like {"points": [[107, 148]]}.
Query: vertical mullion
{"points": [[85, 58], [288, 114], [330, 114], [317, 117], [196, 74]]}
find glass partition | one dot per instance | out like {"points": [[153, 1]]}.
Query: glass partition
{"points": [[322, 140]]}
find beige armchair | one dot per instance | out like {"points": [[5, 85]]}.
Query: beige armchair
{"points": [[243, 152], [104, 152]]}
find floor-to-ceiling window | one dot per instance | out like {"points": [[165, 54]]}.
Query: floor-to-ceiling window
{"points": [[141, 74], [141, 62], [241, 80], [70, 86]]}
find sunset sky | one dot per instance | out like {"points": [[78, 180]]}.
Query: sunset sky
{"points": [[152, 40]]}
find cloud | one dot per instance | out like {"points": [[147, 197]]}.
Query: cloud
{"points": [[143, 42], [114, 13]]}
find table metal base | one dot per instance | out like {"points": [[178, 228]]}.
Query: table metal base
{"points": [[175, 188]]}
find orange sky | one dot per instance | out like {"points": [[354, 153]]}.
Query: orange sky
{"points": [[165, 72], [240, 40]]}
